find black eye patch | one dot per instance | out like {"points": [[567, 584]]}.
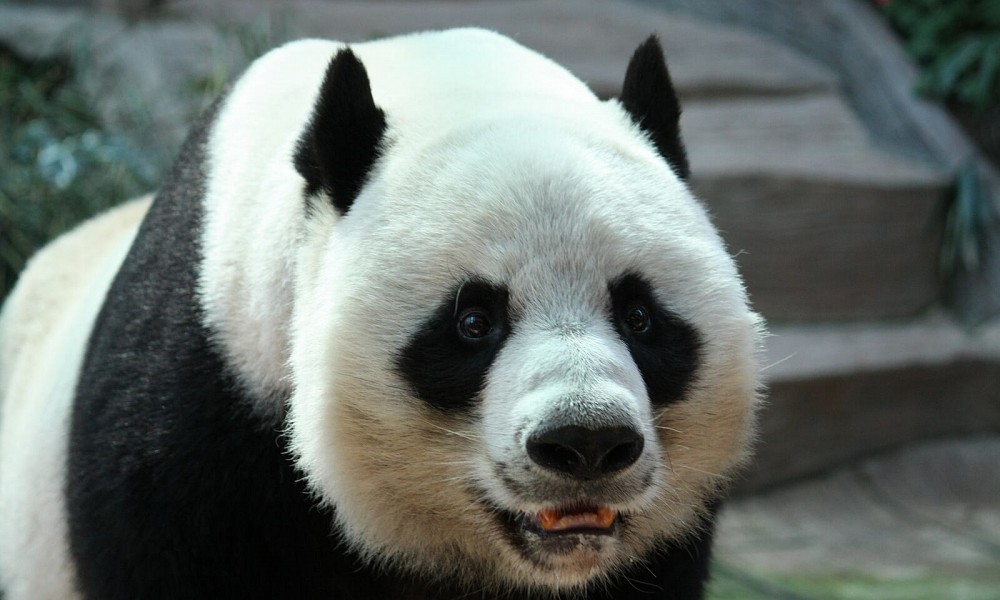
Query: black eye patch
{"points": [[447, 359], [664, 347]]}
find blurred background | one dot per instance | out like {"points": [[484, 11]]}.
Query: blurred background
{"points": [[847, 150]]}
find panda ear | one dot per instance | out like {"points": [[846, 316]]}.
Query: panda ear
{"points": [[341, 142], [648, 95]]}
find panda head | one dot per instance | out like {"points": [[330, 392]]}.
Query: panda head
{"points": [[521, 354]]}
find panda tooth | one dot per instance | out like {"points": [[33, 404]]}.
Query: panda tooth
{"points": [[605, 516], [548, 519], [556, 520]]}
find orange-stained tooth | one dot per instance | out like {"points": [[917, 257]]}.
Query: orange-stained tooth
{"points": [[548, 519], [605, 516], [556, 520]]}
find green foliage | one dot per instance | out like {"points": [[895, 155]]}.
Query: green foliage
{"points": [[957, 42], [970, 223], [57, 166]]}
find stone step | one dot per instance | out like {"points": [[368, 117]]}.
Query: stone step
{"points": [[838, 392], [593, 38], [796, 187], [153, 74], [825, 224]]}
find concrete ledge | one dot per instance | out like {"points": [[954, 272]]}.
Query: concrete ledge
{"points": [[825, 224], [838, 393], [830, 250]]}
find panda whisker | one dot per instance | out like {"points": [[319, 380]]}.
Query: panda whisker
{"points": [[457, 464], [679, 484], [665, 456], [381, 384], [458, 295], [645, 565], [472, 437], [670, 496], [671, 429], [461, 462], [455, 479], [645, 587], [779, 361], [697, 470]]}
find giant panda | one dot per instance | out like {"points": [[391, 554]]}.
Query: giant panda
{"points": [[413, 318]]}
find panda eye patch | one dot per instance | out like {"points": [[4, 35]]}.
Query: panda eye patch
{"points": [[447, 358], [664, 347]]}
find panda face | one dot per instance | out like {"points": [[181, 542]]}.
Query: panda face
{"points": [[536, 362]]}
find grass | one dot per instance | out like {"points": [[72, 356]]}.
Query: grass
{"points": [[733, 583], [58, 165], [957, 42]]}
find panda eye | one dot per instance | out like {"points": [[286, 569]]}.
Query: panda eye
{"points": [[474, 324], [637, 318]]}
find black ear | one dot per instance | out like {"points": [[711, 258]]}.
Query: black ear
{"points": [[648, 95], [341, 141]]}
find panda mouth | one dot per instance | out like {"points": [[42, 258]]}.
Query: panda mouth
{"points": [[574, 519], [566, 537], [560, 522]]}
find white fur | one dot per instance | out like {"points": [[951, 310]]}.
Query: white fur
{"points": [[43, 332], [253, 218]]}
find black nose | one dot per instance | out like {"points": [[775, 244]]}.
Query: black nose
{"points": [[586, 453]]}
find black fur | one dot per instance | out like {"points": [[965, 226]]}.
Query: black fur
{"points": [[174, 490], [648, 95], [446, 369], [341, 142], [666, 354]]}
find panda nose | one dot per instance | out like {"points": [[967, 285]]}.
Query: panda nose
{"points": [[584, 453]]}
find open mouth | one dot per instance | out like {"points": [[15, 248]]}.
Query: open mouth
{"points": [[560, 522], [593, 520], [571, 538]]}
